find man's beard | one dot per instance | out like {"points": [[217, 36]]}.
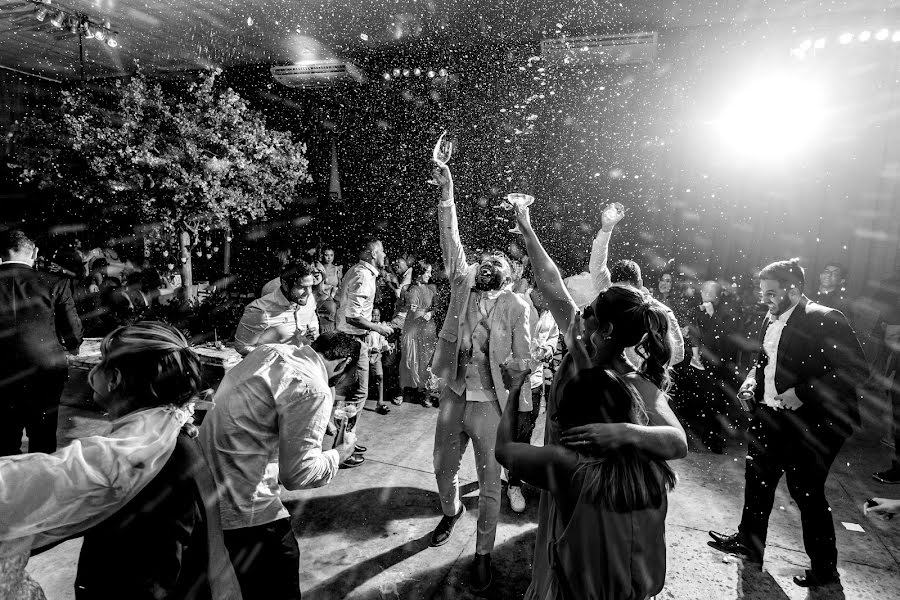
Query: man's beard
{"points": [[783, 306], [494, 283]]}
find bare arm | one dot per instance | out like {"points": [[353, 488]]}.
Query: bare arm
{"points": [[663, 437], [544, 467], [546, 274], [601, 278]]}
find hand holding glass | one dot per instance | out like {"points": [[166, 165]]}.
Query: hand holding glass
{"points": [[441, 154], [516, 202]]}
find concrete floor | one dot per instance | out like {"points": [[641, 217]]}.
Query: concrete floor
{"points": [[365, 536]]}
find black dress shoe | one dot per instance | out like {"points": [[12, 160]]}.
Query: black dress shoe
{"points": [[813, 579], [360, 449], [444, 530], [354, 461], [382, 409], [734, 544], [481, 576]]}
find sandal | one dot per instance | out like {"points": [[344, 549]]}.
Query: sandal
{"points": [[382, 409]]}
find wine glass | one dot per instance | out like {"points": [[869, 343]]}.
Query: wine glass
{"points": [[441, 154], [517, 200]]}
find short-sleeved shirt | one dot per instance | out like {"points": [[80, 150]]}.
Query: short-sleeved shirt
{"points": [[274, 310], [272, 411], [356, 298]]}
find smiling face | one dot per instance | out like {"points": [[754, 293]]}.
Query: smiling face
{"points": [[492, 274], [301, 290], [831, 277], [378, 255], [776, 298], [328, 257], [426, 276], [665, 283]]}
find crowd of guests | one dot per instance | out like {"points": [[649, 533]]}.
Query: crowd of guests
{"points": [[491, 341]]}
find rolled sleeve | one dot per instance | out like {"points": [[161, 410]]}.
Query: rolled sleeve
{"points": [[303, 418], [253, 323], [601, 278], [357, 298]]}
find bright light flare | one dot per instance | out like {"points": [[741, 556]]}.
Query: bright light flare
{"points": [[846, 38], [773, 117]]}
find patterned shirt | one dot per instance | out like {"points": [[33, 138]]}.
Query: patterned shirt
{"points": [[275, 311]]}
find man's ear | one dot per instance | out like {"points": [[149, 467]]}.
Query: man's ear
{"points": [[34, 253]]}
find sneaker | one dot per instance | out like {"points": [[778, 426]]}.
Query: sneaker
{"points": [[481, 575], [444, 530], [892, 475], [516, 498], [734, 544]]}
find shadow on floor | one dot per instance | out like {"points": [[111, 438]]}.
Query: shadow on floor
{"points": [[367, 513]]}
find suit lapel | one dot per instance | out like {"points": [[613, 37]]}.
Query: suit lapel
{"points": [[791, 329]]}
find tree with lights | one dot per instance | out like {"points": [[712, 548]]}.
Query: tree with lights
{"points": [[171, 165]]}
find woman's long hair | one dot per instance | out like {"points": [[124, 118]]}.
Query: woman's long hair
{"points": [[637, 321], [623, 479]]}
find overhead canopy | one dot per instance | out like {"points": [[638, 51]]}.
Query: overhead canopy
{"points": [[166, 35]]}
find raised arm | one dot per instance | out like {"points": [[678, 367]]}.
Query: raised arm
{"points": [[451, 244], [601, 278], [546, 274]]}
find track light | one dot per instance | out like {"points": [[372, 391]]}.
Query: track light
{"points": [[111, 42], [41, 13], [882, 35], [100, 34], [864, 36], [57, 19], [86, 30], [896, 37]]}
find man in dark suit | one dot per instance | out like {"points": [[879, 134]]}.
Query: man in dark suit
{"points": [[809, 365], [38, 323]]}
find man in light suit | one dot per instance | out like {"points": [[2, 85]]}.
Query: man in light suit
{"points": [[38, 324], [487, 325], [809, 365]]}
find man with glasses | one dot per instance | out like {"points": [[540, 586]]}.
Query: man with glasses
{"points": [[831, 291]]}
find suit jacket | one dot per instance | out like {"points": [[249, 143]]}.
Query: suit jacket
{"points": [[510, 328], [38, 322], [820, 357]]}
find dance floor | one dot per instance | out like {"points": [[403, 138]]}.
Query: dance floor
{"points": [[366, 534]]}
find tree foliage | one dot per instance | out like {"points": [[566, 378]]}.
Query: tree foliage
{"points": [[167, 163]]}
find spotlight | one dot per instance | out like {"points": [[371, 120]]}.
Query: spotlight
{"points": [[387, 76], [100, 34], [773, 117], [396, 72], [41, 13], [806, 45], [417, 71], [820, 43], [72, 24], [882, 35], [896, 37], [431, 74], [442, 73], [112, 42], [864, 36], [57, 19], [846, 38], [87, 31], [406, 72]]}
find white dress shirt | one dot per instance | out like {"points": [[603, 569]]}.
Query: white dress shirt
{"points": [[271, 414], [356, 297], [275, 310], [770, 346]]}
